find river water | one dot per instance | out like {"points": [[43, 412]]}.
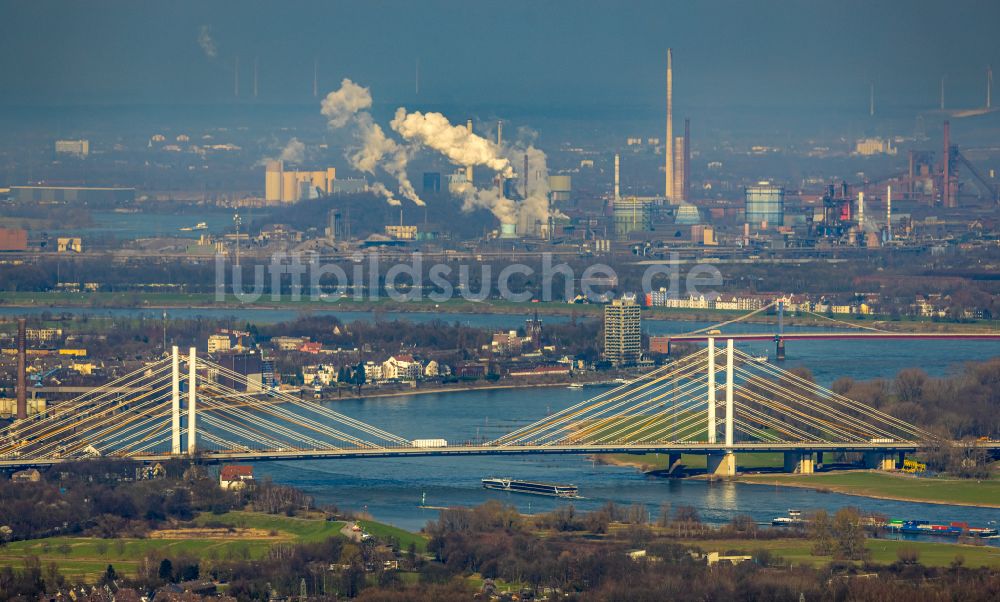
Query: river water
{"points": [[393, 490]]}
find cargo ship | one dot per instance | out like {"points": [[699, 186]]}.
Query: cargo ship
{"points": [[953, 529], [531, 487]]}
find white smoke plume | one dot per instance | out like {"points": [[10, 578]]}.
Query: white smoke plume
{"points": [[349, 104], [344, 103], [206, 42], [528, 213], [380, 189], [294, 152], [461, 146], [505, 210]]}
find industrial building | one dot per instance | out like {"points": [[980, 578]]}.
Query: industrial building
{"points": [[765, 205], [560, 188], [622, 331], [432, 181], [76, 148], [13, 239], [71, 194], [293, 186], [632, 214]]}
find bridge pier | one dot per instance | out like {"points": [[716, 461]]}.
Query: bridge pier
{"points": [[779, 349], [880, 460], [721, 465], [675, 463], [798, 462]]}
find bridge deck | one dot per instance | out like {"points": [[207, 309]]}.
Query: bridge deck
{"points": [[487, 450]]}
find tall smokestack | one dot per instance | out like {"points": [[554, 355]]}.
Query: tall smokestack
{"points": [[468, 169], [499, 132], [236, 77], [315, 77], [861, 213], [989, 87], [525, 175], [255, 77], [668, 147], [679, 169], [416, 77], [687, 158], [942, 92], [871, 100], [617, 180], [946, 168], [888, 212], [22, 366]]}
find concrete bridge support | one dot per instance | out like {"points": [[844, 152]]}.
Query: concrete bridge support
{"points": [[674, 462], [721, 465], [880, 460], [713, 429], [192, 397], [798, 462], [175, 408]]}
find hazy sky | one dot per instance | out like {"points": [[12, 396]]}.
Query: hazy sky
{"points": [[729, 53]]}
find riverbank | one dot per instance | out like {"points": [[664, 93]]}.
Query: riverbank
{"points": [[889, 486], [460, 388], [863, 483], [97, 301]]}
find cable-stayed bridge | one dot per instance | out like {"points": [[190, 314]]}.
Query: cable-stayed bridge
{"points": [[716, 402]]}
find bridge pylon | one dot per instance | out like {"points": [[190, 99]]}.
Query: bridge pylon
{"points": [[676, 406]]}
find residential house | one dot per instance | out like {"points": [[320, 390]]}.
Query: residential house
{"points": [[401, 367], [30, 475], [235, 476]]}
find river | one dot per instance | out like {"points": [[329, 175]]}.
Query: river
{"points": [[393, 489]]}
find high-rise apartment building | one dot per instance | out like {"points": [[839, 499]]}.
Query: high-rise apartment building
{"points": [[622, 331]]}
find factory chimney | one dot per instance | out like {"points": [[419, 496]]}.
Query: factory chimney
{"points": [[499, 132], [668, 147], [22, 366], [871, 100], [861, 213], [687, 157], [525, 175], [255, 77], [617, 179], [942, 92], [888, 212], [315, 77], [468, 169], [946, 168], [236, 77], [989, 87]]}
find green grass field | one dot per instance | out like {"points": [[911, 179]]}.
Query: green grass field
{"points": [[305, 530], [405, 538], [87, 557], [874, 484], [883, 551]]}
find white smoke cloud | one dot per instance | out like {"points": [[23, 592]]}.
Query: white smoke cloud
{"points": [[349, 104], [206, 42], [294, 152], [528, 213], [505, 210], [344, 103], [380, 189], [461, 146]]}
